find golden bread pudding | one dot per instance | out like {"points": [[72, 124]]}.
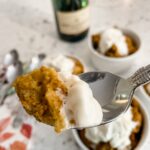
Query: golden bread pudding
{"points": [[63, 63], [37, 93], [134, 137], [59, 99], [127, 47]]}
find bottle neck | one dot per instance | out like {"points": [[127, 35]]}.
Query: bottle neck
{"points": [[69, 5]]}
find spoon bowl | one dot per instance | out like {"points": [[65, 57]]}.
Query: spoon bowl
{"points": [[11, 58], [113, 92], [12, 72]]}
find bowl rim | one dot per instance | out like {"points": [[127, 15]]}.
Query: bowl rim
{"points": [[125, 31], [78, 59], [145, 132], [145, 94], [75, 57]]}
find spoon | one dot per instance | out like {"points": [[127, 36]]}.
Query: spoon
{"points": [[113, 92], [36, 61], [12, 72], [11, 58], [19, 117]]}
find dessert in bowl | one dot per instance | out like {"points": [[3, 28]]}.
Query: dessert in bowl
{"points": [[114, 49], [61, 62], [128, 132]]}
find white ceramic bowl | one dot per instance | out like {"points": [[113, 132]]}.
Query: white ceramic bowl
{"points": [[145, 133], [81, 61], [115, 65]]}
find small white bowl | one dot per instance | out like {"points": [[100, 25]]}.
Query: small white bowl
{"points": [[145, 132], [81, 61], [115, 65]]}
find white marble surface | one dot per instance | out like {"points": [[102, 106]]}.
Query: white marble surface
{"points": [[28, 26]]}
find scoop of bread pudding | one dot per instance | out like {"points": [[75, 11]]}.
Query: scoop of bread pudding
{"points": [[58, 99], [37, 93]]}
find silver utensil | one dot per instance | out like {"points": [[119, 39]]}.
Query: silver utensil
{"points": [[18, 117], [36, 61], [11, 58], [12, 72], [113, 92]]}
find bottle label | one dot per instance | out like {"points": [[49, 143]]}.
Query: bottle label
{"points": [[73, 23]]}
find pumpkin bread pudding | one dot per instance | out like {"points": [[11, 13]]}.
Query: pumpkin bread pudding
{"points": [[113, 43], [78, 66], [65, 63], [37, 93], [122, 134], [59, 99]]}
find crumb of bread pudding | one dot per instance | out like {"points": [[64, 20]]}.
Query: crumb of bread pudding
{"points": [[37, 93], [137, 115], [134, 137], [132, 47], [95, 40], [146, 89], [78, 67], [113, 51], [104, 146]]}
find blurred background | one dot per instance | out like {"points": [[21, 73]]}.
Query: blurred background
{"points": [[29, 26]]}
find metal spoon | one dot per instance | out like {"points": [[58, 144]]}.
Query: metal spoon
{"points": [[18, 117], [11, 58], [113, 92], [12, 72], [36, 61]]}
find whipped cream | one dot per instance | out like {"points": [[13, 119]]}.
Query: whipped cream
{"points": [[112, 37], [117, 132], [60, 63], [79, 104]]}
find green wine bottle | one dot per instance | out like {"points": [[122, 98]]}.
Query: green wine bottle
{"points": [[72, 19]]}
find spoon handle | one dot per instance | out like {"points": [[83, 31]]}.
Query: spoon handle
{"points": [[141, 76], [3, 93]]}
